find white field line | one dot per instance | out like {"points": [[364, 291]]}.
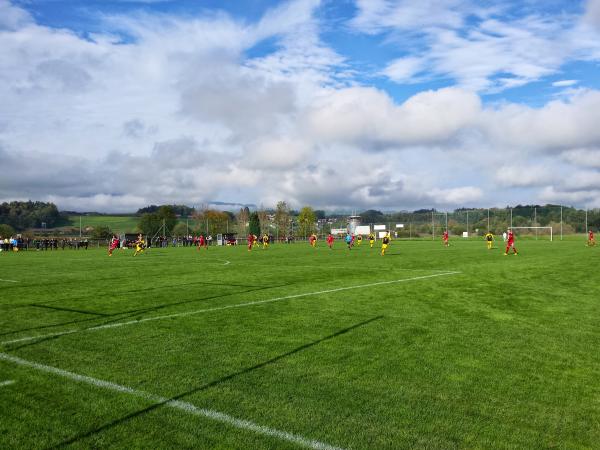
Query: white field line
{"points": [[8, 281], [176, 404], [6, 383], [220, 308], [354, 269]]}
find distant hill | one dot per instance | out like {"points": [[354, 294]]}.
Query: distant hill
{"points": [[117, 224]]}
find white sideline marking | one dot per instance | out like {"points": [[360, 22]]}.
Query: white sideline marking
{"points": [[220, 308], [362, 269], [9, 281], [177, 404], [6, 383]]}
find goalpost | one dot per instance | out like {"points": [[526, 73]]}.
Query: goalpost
{"points": [[536, 230]]}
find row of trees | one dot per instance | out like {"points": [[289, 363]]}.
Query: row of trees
{"points": [[282, 221], [23, 215]]}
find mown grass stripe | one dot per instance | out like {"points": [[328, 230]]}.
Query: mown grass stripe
{"points": [[221, 308], [176, 404]]}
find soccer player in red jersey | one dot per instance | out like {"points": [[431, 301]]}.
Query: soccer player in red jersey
{"points": [[510, 242], [330, 241], [114, 243], [250, 241], [591, 240], [202, 242], [445, 238]]}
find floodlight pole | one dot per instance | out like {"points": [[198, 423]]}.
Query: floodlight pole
{"points": [[561, 223], [432, 226], [488, 227], [586, 222], [80, 226], [511, 223], [446, 220], [535, 221]]}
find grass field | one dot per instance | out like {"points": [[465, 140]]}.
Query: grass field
{"points": [[118, 224], [427, 347]]}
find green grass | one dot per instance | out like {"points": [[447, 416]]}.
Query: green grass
{"points": [[503, 354], [118, 224]]}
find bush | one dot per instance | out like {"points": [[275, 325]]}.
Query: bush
{"points": [[102, 232], [6, 230]]}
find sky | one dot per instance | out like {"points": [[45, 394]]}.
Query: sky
{"points": [[112, 105]]}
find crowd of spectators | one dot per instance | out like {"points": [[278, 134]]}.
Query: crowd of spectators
{"points": [[16, 243]]}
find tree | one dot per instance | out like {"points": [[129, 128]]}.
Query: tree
{"points": [[282, 219], [6, 230], [242, 220], [102, 232], [167, 214], [371, 216], [22, 215], [263, 218], [306, 221], [152, 223], [254, 225], [320, 214], [181, 229], [211, 221], [149, 224], [180, 210]]}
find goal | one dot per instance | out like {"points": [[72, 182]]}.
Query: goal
{"points": [[537, 232]]}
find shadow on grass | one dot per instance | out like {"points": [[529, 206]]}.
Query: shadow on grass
{"points": [[125, 315], [212, 384], [78, 311]]}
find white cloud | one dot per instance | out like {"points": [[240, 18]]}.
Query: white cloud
{"points": [[592, 12], [584, 198], [181, 114], [404, 70], [11, 17], [369, 116], [374, 16], [517, 175], [564, 83], [585, 157], [482, 48]]}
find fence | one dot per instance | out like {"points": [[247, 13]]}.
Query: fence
{"points": [[431, 224], [564, 221]]}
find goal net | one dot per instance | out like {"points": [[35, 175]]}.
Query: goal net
{"points": [[541, 233]]}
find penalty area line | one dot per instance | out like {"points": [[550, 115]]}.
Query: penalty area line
{"points": [[6, 383], [221, 308], [175, 404], [8, 281]]}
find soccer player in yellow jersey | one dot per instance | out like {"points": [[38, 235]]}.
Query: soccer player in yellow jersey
{"points": [[313, 240], [371, 239], [358, 240], [265, 241], [255, 242], [385, 243], [139, 245], [489, 239]]}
